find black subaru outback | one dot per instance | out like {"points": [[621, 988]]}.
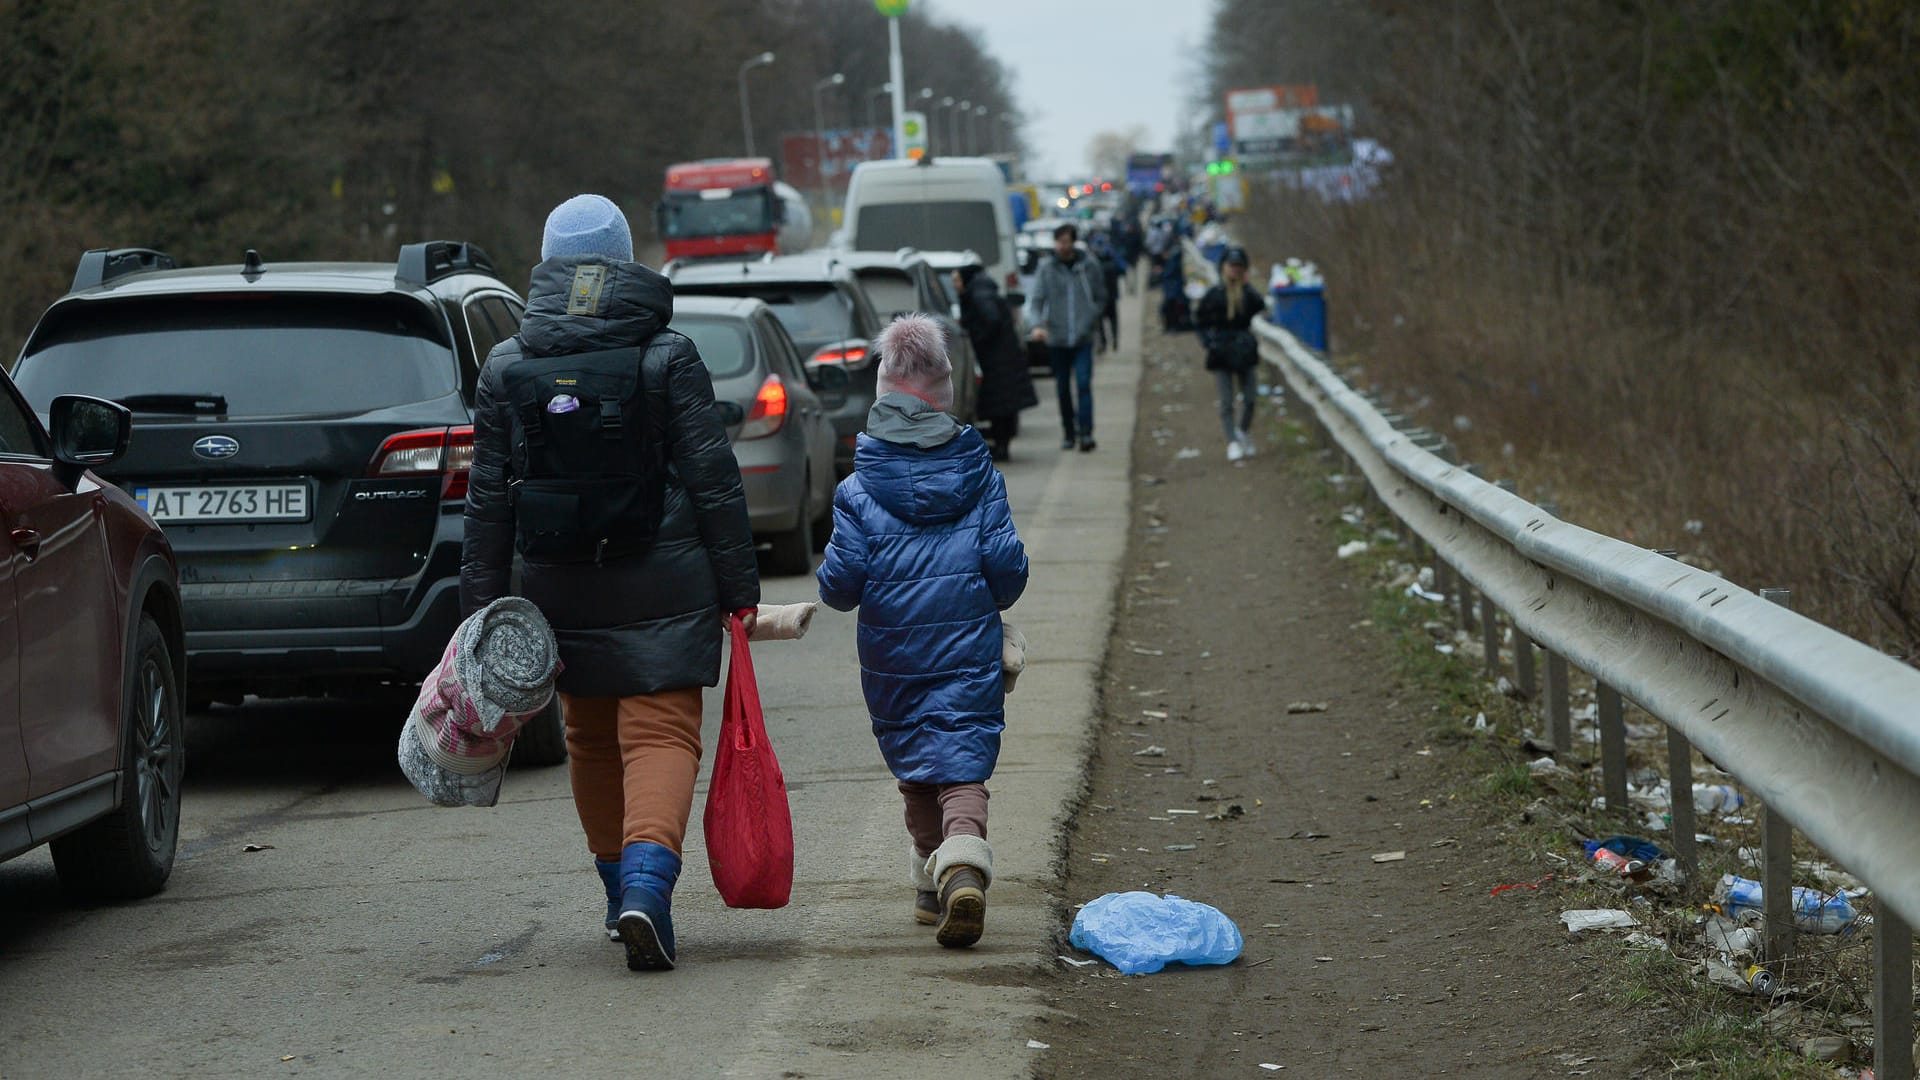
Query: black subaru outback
{"points": [[302, 431]]}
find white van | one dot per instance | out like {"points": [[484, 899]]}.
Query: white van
{"points": [[945, 204]]}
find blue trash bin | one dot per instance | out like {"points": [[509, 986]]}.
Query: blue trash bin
{"points": [[1301, 310]]}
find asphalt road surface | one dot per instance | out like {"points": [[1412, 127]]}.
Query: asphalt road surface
{"points": [[376, 934]]}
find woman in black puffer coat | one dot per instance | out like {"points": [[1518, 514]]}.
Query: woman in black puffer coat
{"points": [[1006, 383], [640, 633]]}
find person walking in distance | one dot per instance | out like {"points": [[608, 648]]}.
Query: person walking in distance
{"points": [[1006, 384], [924, 545], [1069, 293], [1224, 318], [598, 456]]}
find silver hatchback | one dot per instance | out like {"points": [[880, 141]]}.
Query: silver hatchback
{"points": [[778, 417]]}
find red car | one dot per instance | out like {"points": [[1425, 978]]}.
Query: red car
{"points": [[91, 747]]}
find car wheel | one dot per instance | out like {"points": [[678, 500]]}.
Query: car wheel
{"points": [[129, 853], [793, 550], [543, 739]]}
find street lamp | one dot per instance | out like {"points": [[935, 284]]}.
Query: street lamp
{"points": [[746, 115], [966, 109], [873, 95], [820, 134], [980, 112], [947, 103]]}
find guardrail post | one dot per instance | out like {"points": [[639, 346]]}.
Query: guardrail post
{"points": [[1613, 749], [1776, 857], [1523, 664], [1490, 634], [1559, 705], [1892, 996], [1681, 822], [1467, 600]]}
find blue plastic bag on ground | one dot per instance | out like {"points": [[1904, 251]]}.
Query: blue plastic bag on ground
{"points": [[1140, 933]]}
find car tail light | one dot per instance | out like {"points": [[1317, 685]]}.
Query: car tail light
{"points": [[852, 359], [446, 452], [769, 412]]}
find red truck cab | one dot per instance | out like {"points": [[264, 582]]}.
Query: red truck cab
{"points": [[725, 207]]}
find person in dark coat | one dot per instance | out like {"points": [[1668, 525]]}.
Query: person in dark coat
{"points": [[924, 545], [640, 632], [1006, 380], [1224, 318]]}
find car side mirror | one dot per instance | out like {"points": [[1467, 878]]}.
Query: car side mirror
{"points": [[87, 433], [832, 382]]}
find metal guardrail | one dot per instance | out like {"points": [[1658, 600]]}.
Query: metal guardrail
{"points": [[1823, 728]]}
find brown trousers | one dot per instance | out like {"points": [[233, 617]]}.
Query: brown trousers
{"points": [[633, 761], [937, 811]]}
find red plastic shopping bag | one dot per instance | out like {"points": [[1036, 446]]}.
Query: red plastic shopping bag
{"points": [[749, 827]]}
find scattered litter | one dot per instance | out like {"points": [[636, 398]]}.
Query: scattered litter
{"points": [[1814, 912], [1728, 936], [1271, 1067], [1151, 751], [1833, 1048], [1546, 766], [1078, 963], [1323, 959], [1480, 723], [1716, 799], [1184, 813], [1231, 812], [1298, 707], [1415, 590], [1353, 514], [1642, 940], [1498, 889], [1752, 980], [1140, 933], [1155, 713], [258, 847], [1186, 453], [1149, 652], [1597, 919], [1443, 650], [1390, 856], [1036, 1044], [1181, 847], [1351, 548]]}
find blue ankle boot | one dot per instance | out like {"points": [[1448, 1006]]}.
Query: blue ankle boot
{"points": [[647, 876], [610, 877]]}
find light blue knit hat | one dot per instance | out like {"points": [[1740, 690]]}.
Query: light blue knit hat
{"points": [[587, 225]]}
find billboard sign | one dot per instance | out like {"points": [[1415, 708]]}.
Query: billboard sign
{"points": [[810, 164], [1286, 126]]}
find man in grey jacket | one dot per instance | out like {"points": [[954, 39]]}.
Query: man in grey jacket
{"points": [[1064, 308]]}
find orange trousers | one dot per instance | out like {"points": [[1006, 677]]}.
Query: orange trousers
{"points": [[633, 762]]}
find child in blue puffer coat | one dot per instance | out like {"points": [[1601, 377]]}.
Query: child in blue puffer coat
{"points": [[924, 545]]}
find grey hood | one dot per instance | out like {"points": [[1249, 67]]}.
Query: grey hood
{"points": [[587, 303], [906, 420]]}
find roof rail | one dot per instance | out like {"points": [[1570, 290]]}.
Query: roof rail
{"points": [[906, 252], [100, 265], [428, 262]]}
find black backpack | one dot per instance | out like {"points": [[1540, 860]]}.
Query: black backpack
{"points": [[592, 479]]}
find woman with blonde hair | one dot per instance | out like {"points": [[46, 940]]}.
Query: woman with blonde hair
{"points": [[1225, 321]]}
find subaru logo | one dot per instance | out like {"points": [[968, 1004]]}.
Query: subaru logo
{"points": [[216, 447]]}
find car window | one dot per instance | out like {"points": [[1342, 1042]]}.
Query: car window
{"points": [[890, 291], [480, 329], [267, 354], [506, 321], [960, 225], [18, 432], [784, 357], [722, 342], [814, 314]]}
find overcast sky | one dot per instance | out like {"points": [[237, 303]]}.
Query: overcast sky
{"points": [[1080, 67]]}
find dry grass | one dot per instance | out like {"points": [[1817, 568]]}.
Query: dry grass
{"points": [[1745, 461]]}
